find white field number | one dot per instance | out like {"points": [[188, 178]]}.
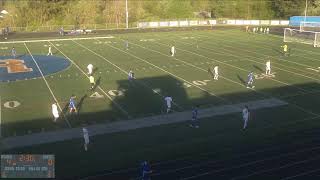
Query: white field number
{"points": [[11, 104]]}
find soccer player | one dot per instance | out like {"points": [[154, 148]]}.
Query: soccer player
{"points": [[173, 51], [285, 49], [250, 80], [194, 119], [130, 75], [86, 138], [13, 52], [245, 116], [216, 72], [168, 99], [268, 67], [49, 51], [55, 112], [247, 28], [72, 104], [261, 30], [92, 82], [268, 30], [90, 69], [145, 171], [126, 44]]}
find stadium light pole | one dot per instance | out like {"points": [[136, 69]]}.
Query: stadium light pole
{"points": [[127, 15], [305, 11]]}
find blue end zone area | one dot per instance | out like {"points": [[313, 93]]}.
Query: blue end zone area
{"points": [[23, 67]]}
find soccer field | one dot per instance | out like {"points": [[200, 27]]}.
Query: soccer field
{"points": [[26, 101]]}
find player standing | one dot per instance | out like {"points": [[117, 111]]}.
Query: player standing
{"points": [[173, 51], [250, 80], [130, 75], [126, 44], [194, 119], [268, 67], [92, 82], [90, 69], [72, 104], [245, 116], [285, 49], [86, 138], [55, 112], [49, 51], [216, 72], [168, 99], [13, 52]]}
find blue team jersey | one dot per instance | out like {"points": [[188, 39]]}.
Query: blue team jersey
{"points": [[250, 77], [72, 103], [145, 171], [194, 113]]}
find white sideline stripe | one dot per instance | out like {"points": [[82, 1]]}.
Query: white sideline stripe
{"points": [[281, 167], [109, 97], [301, 174], [122, 70], [54, 97], [125, 125], [170, 73], [66, 39]]}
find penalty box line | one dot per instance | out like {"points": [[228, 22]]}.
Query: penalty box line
{"points": [[109, 97], [54, 97]]}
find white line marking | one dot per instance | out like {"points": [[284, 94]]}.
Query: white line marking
{"points": [[66, 39], [109, 97], [169, 73], [122, 70], [54, 97]]}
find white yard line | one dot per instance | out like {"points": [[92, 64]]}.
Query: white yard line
{"points": [[109, 97], [141, 59], [65, 39], [54, 97]]}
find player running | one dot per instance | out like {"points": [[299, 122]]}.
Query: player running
{"points": [[285, 50], [173, 51], [250, 80], [49, 51], [268, 67], [216, 72], [245, 116], [194, 119], [168, 99], [86, 138], [92, 82], [130, 75], [13, 52], [90, 69], [72, 104], [55, 112]]}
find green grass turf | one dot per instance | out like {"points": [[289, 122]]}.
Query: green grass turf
{"points": [[234, 51]]}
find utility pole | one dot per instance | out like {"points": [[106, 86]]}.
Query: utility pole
{"points": [[127, 15]]}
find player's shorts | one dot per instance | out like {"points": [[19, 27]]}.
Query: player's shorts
{"points": [[168, 105], [86, 139], [245, 118]]}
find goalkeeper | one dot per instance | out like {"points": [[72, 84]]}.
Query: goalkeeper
{"points": [[285, 50]]}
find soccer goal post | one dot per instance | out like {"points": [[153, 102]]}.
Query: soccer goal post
{"points": [[305, 37]]}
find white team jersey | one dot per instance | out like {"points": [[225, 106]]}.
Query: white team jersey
{"points": [[168, 100], [245, 114], [49, 48], [55, 111], [268, 65], [90, 67], [172, 49], [85, 135], [216, 69]]}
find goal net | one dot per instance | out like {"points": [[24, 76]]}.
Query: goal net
{"points": [[305, 37], [310, 26]]}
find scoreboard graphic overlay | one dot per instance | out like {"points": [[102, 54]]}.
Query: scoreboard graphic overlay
{"points": [[27, 166]]}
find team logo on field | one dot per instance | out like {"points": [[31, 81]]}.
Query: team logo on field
{"points": [[15, 66]]}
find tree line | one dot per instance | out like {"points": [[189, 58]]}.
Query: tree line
{"points": [[29, 13]]}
